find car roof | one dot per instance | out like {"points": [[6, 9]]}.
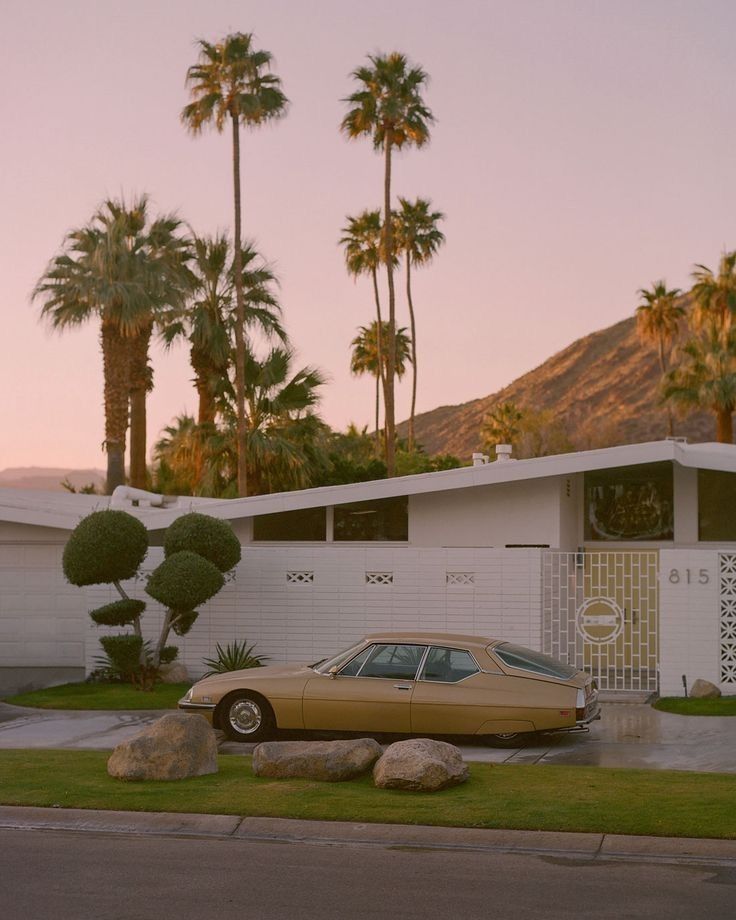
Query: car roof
{"points": [[433, 638]]}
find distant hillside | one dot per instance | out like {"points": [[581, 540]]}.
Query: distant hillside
{"points": [[49, 478], [602, 388]]}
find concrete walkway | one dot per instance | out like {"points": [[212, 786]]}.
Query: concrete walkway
{"points": [[628, 735]]}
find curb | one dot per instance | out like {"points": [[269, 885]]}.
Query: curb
{"points": [[600, 847]]}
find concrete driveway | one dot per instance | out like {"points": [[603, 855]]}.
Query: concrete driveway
{"points": [[628, 735]]}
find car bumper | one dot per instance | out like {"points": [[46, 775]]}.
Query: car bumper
{"points": [[591, 713], [204, 709]]}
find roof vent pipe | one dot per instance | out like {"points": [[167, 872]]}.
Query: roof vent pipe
{"points": [[503, 452], [479, 459], [123, 494]]}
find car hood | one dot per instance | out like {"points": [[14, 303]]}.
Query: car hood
{"points": [[254, 675]]}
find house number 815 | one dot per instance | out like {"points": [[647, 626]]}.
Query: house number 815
{"points": [[702, 575]]}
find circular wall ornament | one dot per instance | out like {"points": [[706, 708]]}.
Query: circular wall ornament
{"points": [[599, 620]]}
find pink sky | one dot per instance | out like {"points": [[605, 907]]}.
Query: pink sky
{"points": [[582, 150]]}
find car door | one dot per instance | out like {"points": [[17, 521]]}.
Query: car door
{"points": [[451, 695], [372, 692]]}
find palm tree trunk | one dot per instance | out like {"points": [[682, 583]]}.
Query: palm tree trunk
{"points": [[413, 352], [391, 357], [115, 369], [379, 352], [724, 425], [378, 411], [663, 368], [239, 322], [140, 384], [203, 373]]}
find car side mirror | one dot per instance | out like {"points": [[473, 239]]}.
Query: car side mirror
{"points": [[333, 672]]}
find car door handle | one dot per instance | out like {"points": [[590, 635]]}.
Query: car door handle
{"points": [[402, 686]]}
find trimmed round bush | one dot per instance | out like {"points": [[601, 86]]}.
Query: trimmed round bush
{"points": [[105, 546], [169, 653], [123, 651], [184, 580], [119, 613], [207, 536], [185, 622]]}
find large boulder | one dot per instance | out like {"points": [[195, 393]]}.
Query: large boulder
{"points": [[174, 673], [176, 746], [328, 761], [704, 690], [420, 765]]}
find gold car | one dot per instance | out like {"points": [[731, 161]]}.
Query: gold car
{"points": [[409, 683]]}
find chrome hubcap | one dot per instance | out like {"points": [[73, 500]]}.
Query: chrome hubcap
{"points": [[245, 716]]}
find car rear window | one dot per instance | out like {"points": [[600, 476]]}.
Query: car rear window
{"points": [[516, 656]]}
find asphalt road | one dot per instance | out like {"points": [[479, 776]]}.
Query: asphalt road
{"points": [[68, 876]]}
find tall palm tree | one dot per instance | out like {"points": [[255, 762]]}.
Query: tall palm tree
{"points": [[418, 236], [369, 358], [657, 320], [705, 378], [123, 270], [364, 253], [232, 82], [715, 295], [208, 318], [388, 107], [502, 425]]}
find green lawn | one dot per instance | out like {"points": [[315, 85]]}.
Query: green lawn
{"points": [[102, 696], [553, 798], [686, 706]]}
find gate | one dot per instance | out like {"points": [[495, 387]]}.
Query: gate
{"points": [[600, 613]]}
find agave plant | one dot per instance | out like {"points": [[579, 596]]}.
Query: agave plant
{"points": [[236, 656]]}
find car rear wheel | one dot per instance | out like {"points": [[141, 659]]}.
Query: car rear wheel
{"points": [[511, 739], [246, 717]]}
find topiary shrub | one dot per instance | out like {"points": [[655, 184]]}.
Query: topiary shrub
{"points": [[104, 548], [184, 580], [207, 536], [108, 547], [118, 613]]}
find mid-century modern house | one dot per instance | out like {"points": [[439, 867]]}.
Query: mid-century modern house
{"points": [[622, 560]]}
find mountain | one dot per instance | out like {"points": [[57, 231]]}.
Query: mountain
{"points": [[49, 478], [602, 389]]}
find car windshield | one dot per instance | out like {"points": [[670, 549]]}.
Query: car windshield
{"points": [[324, 665], [516, 656]]}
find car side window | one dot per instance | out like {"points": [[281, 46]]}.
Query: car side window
{"points": [[448, 665], [355, 664], [396, 662]]}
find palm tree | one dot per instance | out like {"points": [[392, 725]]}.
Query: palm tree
{"points": [[369, 358], [502, 425], [657, 320], [362, 239], [123, 270], [231, 82], [208, 320], [418, 236], [715, 295], [389, 108], [705, 377], [280, 405]]}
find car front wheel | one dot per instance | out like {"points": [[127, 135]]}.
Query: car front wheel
{"points": [[246, 717]]}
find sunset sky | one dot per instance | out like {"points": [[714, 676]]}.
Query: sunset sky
{"points": [[582, 150]]}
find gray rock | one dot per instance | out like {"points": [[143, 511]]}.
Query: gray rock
{"points": [[420, 765], [176, 746], [328, 761], [174, 673], [704, 690]]}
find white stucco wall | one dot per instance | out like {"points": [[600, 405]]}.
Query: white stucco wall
{"points": [[298, 622], [498, 515], [689, 618]]}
